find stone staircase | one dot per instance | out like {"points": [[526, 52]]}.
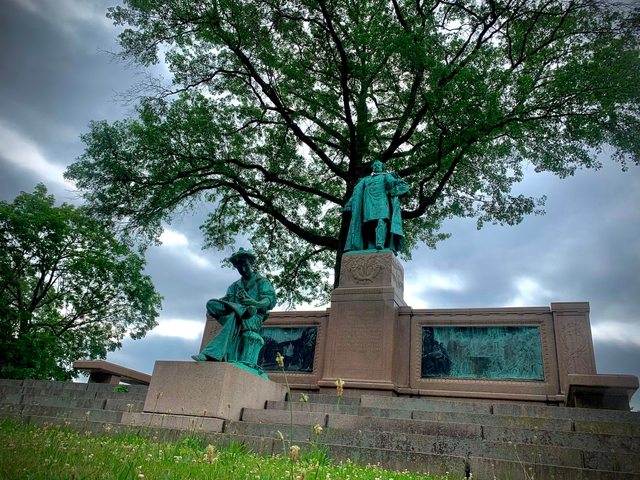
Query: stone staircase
{"points": [[76, 404], [484, 439]]}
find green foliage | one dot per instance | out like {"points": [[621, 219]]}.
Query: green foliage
{"points": [[68, 288], [121, 388], [277, 108]]}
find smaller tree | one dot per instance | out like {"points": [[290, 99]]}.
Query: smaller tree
{"points": [[68, 288]]}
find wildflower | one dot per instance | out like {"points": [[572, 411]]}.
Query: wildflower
{"points": [[339, 384], [304, 398], [177, 458], [280, 436], [280, 360], [86, 416], [317, 428], [158, 395], [107, 429], [210, 458], [129, 407], [294, 452]]}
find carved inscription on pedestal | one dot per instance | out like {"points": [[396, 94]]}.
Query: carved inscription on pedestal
{"points": [[360, 343]]}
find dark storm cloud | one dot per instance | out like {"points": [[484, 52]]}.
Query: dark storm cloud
{"points": [[586, 248], [54, 80]]}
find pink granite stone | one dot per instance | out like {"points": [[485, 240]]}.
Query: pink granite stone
{"points": [[208, 389]]}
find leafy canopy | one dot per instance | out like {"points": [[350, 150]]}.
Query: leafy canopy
{"points": [[68, 288], [277, 108]]}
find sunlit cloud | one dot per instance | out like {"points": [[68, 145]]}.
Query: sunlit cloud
{"points": [[616, 332], [529, 293], [179, 246], [179, 328], [417, 288], [25, 153], [171, 238]]}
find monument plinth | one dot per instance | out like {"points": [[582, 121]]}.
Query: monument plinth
{"points": [[207, 389], [363, 325]]}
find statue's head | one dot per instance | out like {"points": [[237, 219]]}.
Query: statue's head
{"points": [[237, 258], [377, 167]]}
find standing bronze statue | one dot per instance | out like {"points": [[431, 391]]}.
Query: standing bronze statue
{"points": [[376, 223], [241, 313]]}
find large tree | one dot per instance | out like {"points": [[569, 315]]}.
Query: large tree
{"points": [[68, 288], [276, 108]]}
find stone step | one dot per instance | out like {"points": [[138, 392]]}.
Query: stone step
{"points": [[49, 385], [100, 388], [464, 467], [445, 445], [11, 398], [327, 399], [11, 390], [84, 403], [505, 434], [115, 404], [341, 409], [433, 462], [10, 382], [182, 422], [34, 395], [72, 413], [123, 405], [43, 387], [495, 408], [543, 423]]}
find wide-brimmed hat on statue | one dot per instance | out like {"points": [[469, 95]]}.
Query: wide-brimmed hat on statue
{"points": [[240, 254]]}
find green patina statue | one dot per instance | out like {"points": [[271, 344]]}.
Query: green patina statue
{"points": [[376, 223], [241, 313]]}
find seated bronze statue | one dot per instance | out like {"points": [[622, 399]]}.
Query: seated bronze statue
{"points": [[241, 313]]}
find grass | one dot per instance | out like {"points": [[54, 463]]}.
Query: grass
{"points": [[55, 452]]}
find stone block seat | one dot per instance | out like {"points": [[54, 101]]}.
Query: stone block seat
{"points": [[612, 392], [101, 371]]}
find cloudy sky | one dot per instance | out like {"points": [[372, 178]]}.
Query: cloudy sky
{"points": [[55, 78]]}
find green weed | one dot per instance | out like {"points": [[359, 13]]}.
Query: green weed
{"points": [[54, 452]]}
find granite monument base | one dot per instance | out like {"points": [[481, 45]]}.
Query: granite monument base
{"points": [[208, 389], [377, 345]]}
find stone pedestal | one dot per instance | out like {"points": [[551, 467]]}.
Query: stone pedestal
{"points": [[612, 392], [363, 329], [574, 341], [208, 389]]}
